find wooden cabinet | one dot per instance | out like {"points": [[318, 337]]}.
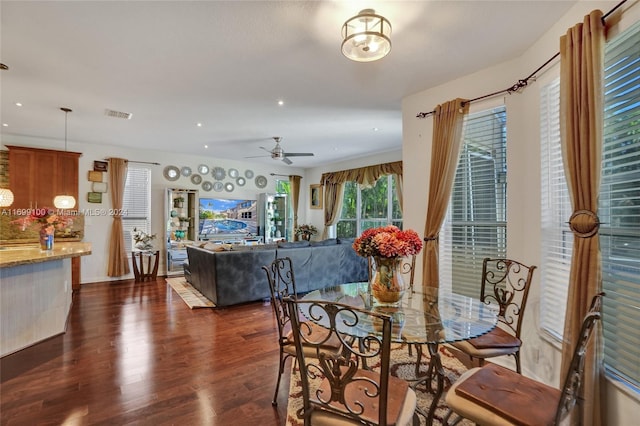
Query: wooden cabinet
{"points": [[36, 176]]}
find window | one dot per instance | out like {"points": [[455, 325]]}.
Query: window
{"points": [[556, 238], [364, 208], [136, 203], [619, 211], [619, 208], [475, 226]]}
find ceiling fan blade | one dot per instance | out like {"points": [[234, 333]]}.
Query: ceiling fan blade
{"points": [[298, 154], [286, 161], [263, 148], [258, 156]]}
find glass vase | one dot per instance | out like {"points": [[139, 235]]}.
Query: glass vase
{"points": [[387, 283], [46, 239]]}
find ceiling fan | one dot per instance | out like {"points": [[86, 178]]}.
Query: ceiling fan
{"points": [[278, 153]]}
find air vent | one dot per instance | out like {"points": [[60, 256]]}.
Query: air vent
{"points": [[118, 114]]}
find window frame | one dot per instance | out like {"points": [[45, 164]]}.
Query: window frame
{"points": [[382, 221], [133, 214]]}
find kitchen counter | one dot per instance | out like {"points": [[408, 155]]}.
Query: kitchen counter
{"points": [[15, 255], [35, 292]]}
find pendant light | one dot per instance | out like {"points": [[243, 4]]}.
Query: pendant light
{"points": [[64, 201], [6, 195]]}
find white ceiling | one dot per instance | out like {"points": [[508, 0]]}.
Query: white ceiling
{"points": [[225, 64]]}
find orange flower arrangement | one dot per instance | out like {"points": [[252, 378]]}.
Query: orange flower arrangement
{"points": [[47, 218], [387, 241]]}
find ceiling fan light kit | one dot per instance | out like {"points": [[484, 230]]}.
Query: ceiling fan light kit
{"points": [[366, 37], [277, 153]]}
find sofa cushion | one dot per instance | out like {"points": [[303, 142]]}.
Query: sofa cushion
{"points": [[329, 242], [293, 244]]}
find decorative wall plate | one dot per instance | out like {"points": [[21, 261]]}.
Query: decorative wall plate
{"points": [[240, 181], [261, 181], [203, 169], [248, 174], [218, 173], [218, 186], [206, 185], [196, 179], [234, 173], [186, 171], [229, 187], [171, 173], [174, 213]]}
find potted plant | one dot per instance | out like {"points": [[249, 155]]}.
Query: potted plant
{"points": [[306, 231], [178, 202], [142, 240]]}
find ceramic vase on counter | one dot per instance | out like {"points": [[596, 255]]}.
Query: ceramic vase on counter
{"points": [[46, 239]]}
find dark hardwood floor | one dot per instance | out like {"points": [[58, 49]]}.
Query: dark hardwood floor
{"points": [[134, 353]]}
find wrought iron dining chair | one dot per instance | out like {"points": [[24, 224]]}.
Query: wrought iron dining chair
{"points": [[282, 283], [494, 395], [336, 388], [505, 284]]}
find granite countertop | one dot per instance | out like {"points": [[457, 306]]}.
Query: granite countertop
{"points": [[15, 255]]}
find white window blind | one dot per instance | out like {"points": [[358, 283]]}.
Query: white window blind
{"points": [[136, 203], [557, 239], [619, 208], [475, 226]]}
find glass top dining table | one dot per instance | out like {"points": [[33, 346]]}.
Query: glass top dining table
{"points": [[431, 317]]}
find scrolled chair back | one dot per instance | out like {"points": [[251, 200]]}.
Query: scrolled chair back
{"points": [[505, 284], [572, 388], [345, 389], [282, 283]]}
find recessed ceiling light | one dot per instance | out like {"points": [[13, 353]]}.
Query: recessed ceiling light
{"points": [[375, 129], [18, 104], [206, 146], [281, 102], [5, 125], [199, 124]]}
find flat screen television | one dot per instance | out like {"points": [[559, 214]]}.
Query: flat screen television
{"points": [[222, 218]]}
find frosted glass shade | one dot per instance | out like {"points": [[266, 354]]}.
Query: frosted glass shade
{"points": [[64, 202], [6, 197], [366, 37]]}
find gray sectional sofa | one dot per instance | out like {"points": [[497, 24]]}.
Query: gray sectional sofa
{"points": [[236, 276]]}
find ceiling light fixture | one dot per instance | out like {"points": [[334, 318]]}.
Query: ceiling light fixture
{"points": [[64, 201], [366, 37]]}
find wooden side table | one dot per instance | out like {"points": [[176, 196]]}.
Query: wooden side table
{"points": [[137, 256]]}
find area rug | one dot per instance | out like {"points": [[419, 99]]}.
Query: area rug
{"points": [[192, 297], [402, 366]]}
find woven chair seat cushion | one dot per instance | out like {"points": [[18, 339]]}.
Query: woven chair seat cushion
{"points": [[400, 406], [498, 396]]}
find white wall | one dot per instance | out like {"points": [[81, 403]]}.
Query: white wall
{"points": [[97, 228], [540, 357]]}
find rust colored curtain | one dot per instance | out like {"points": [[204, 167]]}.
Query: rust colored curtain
{"points": [[445, 152], [333, 183], [118, 262], [295, 198], [581, 108]]}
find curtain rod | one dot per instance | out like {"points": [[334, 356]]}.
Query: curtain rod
{"points": [[139, 162], [275, 174], [521, 84]]}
